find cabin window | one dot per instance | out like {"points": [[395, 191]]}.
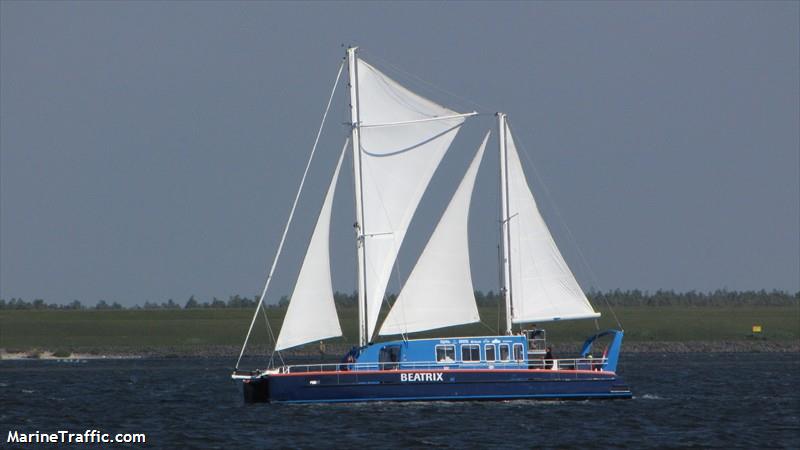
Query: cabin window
{"points": [[519, 354], [489, 348], [505, 352], [445, 353], [389, 357], [471, 353]]}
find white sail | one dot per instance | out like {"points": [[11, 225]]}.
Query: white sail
{"points": [[439, 291], [543, 287], [311, 314], [403, 137]]}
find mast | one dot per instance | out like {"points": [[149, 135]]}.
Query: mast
{"points": [[505, 220], [355, 122]]}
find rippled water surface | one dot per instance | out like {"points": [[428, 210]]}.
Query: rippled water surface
{"points": [[716, 400]]}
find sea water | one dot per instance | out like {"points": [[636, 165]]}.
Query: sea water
{"points": [[700, 400]]}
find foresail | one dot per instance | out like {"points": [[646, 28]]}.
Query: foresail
{"points": [[544, 288], [403, 137], [439, 291], [311, 314]]}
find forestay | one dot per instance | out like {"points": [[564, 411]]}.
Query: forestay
{"points": [[311, 314], [403, 137], [439, 291], [544, 288]]}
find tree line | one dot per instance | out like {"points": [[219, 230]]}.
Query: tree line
{"points": [[617, 297], [636, 297], [234, 301]]}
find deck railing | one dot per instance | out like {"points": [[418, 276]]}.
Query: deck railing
{"points": [[542, 364]]}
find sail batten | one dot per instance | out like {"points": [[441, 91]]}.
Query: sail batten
{"points": [[397, 161], [311, 314], [544, 288], [439, 292]]}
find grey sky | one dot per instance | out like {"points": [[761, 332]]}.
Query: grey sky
{"points": [[151, 150]]}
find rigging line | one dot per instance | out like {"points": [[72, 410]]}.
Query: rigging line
{"points": [[428, 83], [564, 222], [498, 302], [272, 337], [486, 326], [291, 215], [270, 340], [274, 341]]}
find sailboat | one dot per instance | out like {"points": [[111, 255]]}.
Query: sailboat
{"points": [[397, 139]]}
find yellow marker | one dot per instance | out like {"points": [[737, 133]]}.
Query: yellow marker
{"points": [[756, 329]]}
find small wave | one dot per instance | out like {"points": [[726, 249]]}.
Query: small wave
{"points": [[652, 397], [28, 391], [3, 384]]}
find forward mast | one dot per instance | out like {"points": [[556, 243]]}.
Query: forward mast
{"points": [[355, 123]]}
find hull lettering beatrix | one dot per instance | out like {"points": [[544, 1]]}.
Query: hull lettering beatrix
{"points": [[406, 377]]}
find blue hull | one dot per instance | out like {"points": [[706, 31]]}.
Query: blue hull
{"points": [[451, 385]]}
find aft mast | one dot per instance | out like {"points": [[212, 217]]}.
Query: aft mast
{"points": [[505, 220], [355, 123]]}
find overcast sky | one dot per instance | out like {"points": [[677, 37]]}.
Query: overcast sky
{"points": [[151, 150]]}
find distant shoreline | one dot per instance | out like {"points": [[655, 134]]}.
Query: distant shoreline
{"points": [[334, 351], [50, 356]]}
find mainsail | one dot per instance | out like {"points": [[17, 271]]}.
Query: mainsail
{"points": [[439, 291], [403, 137], [544, 288], [311, 314]]}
